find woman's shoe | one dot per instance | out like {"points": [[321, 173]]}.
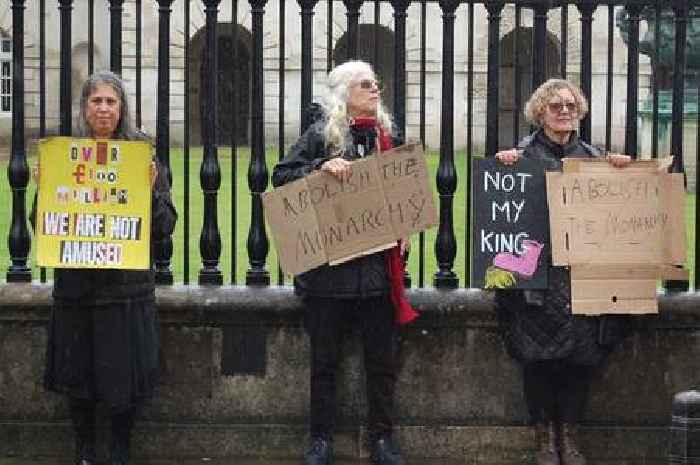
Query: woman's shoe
{"points": [[122, 423], [83, 419], [546, 437], [320, 452], [384, 451], [568, 446]]}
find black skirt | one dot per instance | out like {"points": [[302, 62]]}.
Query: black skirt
{"points": [[104, 353]]}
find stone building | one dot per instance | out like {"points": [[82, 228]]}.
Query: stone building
{"points": [[382, 50]]}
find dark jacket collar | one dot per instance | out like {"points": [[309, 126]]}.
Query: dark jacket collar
{"points": [[560, 151]]}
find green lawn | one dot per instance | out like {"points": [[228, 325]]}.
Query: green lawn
{"points": [[234, 223]]}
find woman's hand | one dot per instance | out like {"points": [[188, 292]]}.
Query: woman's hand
{"points": [[618, 160], [153, 174], [508, 157], [338, 167], [35, 173], [404, 246]]}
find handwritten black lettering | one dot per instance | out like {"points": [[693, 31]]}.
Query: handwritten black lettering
{"points": [[418, 207], [288, 208], [635, 224], [351, 223], [607, 189], [396, 208], [303, 200], [308, 242], [400, 168]]}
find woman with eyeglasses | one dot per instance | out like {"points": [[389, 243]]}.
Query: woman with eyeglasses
{"points": [[558, 351], [365, 292]]}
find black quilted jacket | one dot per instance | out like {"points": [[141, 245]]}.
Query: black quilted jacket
{"points": [[539, 325]]}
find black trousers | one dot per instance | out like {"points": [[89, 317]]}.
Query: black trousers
{"points": [[328, 321], [556, 390], [83, 419]]}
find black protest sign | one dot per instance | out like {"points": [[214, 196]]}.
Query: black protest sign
{"points": [[511, 228]]}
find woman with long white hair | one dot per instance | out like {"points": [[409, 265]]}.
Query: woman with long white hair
{"points": [[367, 291]]}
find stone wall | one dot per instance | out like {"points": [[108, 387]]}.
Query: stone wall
{"points": [[459, 395]]}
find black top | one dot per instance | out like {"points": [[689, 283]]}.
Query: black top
{"points": [[539, 325], [96, 286], [365, 276]]}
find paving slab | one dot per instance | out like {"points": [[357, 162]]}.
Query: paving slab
{"points": [[205, 461]]}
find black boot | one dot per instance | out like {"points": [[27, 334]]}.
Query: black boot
{"points": [[546, 437], [569, 448], [384, 451], [320, 452], [122, 423], [82, 415]]}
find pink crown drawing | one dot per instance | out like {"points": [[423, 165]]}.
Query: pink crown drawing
{"points": [[523, 265]]}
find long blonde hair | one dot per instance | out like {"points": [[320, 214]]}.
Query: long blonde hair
{"points": [[335, 104]]}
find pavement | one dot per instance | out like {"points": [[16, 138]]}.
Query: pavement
{"points": [[201, 461]]}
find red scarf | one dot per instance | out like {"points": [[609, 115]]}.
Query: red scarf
{"points": [[395, 265]]}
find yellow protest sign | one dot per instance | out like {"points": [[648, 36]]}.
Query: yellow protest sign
{"points": [[94, 204]]}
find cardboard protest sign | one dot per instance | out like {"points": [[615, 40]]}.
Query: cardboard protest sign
{"points": [[344, 224], [619, 230], [510, 233], [94, 204], [319, 219]]}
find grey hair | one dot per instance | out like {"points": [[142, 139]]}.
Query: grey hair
{"points": [[335, 104], [124, 128]]}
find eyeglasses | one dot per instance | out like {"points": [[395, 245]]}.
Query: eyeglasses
{"points": [[367, 84], [557, 107]]}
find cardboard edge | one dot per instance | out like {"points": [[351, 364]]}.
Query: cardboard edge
{"points": [[408, 147], [593, 308], [594, 165], [560, 255], [379, 248], [625, 270], [676, 245], [433, 219], [272, 196]]}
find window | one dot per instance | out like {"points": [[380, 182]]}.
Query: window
{"points": [[5, 74]]}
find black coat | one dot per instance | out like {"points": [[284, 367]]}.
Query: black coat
{"points": [[539, 325], [361, 277], [91, 286]]}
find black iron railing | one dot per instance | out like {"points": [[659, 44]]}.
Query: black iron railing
{"points": [[446, 245]]}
